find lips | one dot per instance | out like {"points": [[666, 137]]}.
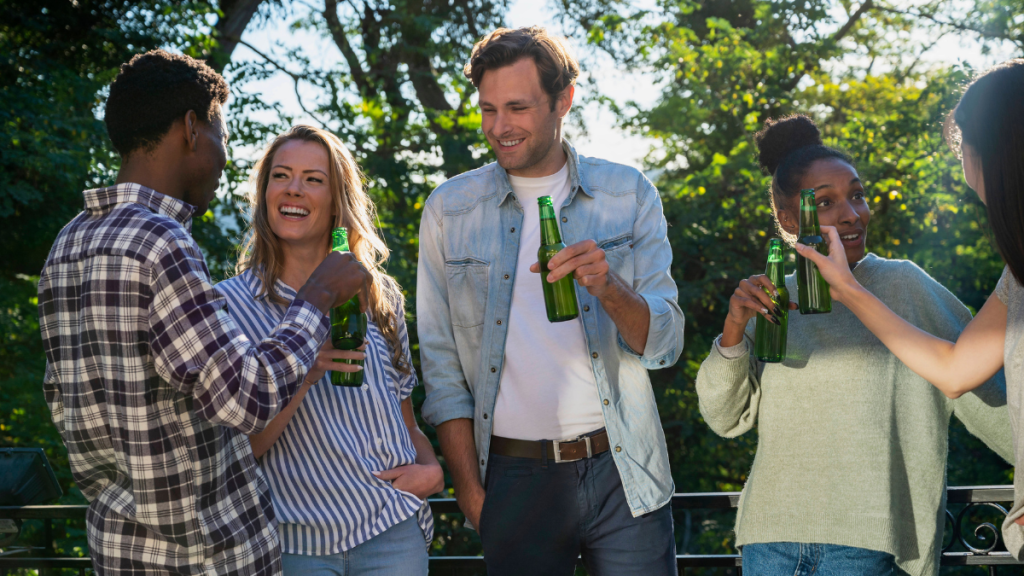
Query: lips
{"points": [[852, 238], [511, 143]]}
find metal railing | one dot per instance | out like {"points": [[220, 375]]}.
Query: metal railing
{"points": [[967, 501]]}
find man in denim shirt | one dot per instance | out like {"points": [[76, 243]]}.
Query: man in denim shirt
{"points": [[559, 418]]}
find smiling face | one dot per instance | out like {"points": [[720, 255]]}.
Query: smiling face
{"points": [[522, 129], [839, 195], [298, 198]]}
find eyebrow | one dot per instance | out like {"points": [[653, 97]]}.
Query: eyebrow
{"points": [[304, 171], [509, 103], [823, 186]]}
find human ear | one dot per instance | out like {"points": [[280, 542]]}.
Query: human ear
{"points": [[786, 221], [191, 130], [565, 100]]}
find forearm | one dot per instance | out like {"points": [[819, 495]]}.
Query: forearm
{"points": [[953, 368], [459, 450], [628, 310], [732, 333], [262, 441]]}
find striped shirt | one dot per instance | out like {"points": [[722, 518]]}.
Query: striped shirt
{"points": [[320, 469], [154, 389]]}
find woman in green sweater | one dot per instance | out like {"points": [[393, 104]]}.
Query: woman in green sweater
{"points": [[850, 468]]}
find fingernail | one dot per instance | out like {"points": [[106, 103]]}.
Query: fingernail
{"points": [[775, 293], [778, 313], [374, 472], [774, 320], [764, 311]]}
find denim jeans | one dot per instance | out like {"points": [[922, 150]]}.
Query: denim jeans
{"points": [[538, 518], [795, 559], [398, 551]]}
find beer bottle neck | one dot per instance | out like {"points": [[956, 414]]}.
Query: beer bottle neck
{"points": [[339, 243], [549, 233], [776, 273], [809, 221]]}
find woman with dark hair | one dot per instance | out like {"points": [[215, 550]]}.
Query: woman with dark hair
{"points": [[850, 466], [988, 126]]}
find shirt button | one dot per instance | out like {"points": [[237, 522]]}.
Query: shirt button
{"points": [[366, 386], [606, 402], [662, 363], [506, 276], [564, 219], [493, 369], [499, 322], [586, 308], [485, 415], [513, 229], [380, 440], [481, 461], [594, 355], [618, 448]]}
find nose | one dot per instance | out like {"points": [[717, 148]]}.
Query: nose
{"points": [[848, 215], [294, 188], [501, 125]]}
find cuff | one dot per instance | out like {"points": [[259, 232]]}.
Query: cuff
{"points": [[732, 352], [309, 319]]}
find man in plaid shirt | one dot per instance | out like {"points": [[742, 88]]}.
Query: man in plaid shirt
{"points": [[152, 386]]}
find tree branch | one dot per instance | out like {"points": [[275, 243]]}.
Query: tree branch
{"points": [[229, 28], [954, 25], [338, 34], [296, 78], [854, 18]]}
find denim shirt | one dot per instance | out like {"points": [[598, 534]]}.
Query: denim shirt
{"points": [[469, 248]]}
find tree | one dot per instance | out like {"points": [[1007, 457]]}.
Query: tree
{"points": [[724, 66]]}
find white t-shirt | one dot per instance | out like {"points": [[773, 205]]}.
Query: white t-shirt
{"points": [[547, 390]]}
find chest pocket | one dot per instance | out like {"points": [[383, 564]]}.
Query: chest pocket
{"points": [[467, 291], [618, 251]]}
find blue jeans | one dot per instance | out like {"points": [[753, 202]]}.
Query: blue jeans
{"points": [[397, 551], [795, 559], [538, 518]]}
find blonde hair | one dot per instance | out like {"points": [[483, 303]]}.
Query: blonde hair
{"points": [[261, 250]]}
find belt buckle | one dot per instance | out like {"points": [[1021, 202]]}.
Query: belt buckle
{"points": [[558, 450]]}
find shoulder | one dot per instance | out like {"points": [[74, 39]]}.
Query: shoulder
{"points": [[905, 286], [463, 192], [236, 286], [614, 179]]}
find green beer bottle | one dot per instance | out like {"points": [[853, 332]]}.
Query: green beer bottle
{"points": [[814, 294], [560, 296], [348, 324], [769, 338]]}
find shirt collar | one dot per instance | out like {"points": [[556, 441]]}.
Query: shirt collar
{"points": [[255, 283], [572, 158], [99, 199]]}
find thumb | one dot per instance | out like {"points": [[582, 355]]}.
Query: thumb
{"points": [[535, 267]]}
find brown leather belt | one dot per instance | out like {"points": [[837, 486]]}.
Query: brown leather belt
{"points": [[568, 451]]}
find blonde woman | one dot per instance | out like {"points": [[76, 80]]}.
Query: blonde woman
{"points": [[349, 470]]}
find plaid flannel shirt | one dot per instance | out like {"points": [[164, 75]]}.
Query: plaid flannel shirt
{"points": [[154, 389]]}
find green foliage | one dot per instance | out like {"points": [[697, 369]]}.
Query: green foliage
{"points": [[726, 66]]}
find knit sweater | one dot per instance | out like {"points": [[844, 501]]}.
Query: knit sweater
{"points": [[852, 444]]}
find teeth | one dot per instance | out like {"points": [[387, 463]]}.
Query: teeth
{"points": [[850, 237], [509, 142], [293, 211]]}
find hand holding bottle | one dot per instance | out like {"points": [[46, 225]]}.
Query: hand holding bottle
{"points": [[335, 281], [834, 268], [325, 361]]}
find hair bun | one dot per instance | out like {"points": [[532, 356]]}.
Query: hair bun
{"points": [[781, 136]]}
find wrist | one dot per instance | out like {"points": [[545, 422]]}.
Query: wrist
{"points": [[317, 295], [732, 332]]}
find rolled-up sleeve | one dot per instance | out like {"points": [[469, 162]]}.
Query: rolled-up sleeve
{"points": [[199, 350], [653, 281], [447, 392]]}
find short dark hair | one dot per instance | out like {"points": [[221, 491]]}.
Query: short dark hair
{"points": [[786, 149], [555, 62], [990, 119], [152, 91]]}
